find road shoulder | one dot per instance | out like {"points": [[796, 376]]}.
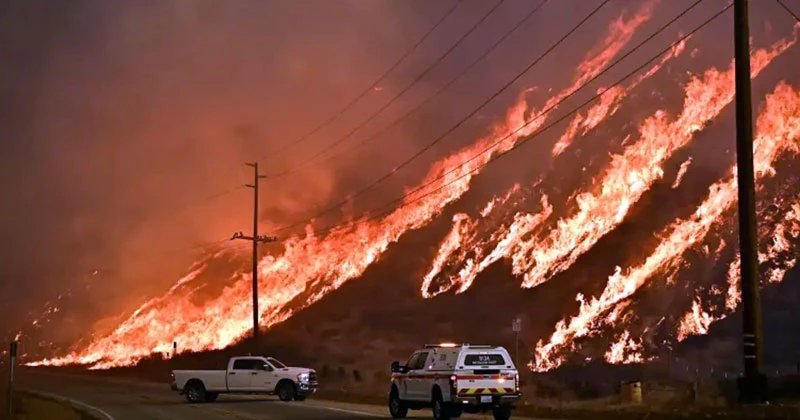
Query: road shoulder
{"points": [[84, 411]]}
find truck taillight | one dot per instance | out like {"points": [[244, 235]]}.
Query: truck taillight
{"points": [[454, 384], [172, 376], [516, 381]]}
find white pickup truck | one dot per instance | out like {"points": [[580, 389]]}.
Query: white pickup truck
{"points": [[246, 375]]}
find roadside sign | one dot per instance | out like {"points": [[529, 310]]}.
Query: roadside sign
{"points": [[516, 325]]}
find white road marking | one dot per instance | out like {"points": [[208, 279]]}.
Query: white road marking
{"points": [[341, 410], [72, 401]]}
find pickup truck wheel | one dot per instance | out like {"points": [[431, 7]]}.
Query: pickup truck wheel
{"points": [[397, 408], [195, 392], [286, 391], [502, 412]]}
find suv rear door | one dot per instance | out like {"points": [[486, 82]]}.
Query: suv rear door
{"points": [[486, 372]]}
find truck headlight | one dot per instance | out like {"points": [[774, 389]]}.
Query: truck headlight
{"points": [[302, 377]]}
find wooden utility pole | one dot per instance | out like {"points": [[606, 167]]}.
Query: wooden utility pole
{"points": [[753, 385], [12, 361], [255, 239]]}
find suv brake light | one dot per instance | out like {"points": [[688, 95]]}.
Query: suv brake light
{"points": [[453, 384]]}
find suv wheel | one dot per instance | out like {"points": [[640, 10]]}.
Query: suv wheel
{"points": [[502, 412], [440, 410], [397, 408]]}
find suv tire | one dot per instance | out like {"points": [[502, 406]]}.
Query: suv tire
{"points": [[441, 411], [397, 408], [502, 412]]}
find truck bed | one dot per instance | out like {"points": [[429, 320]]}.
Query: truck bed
{"points": [[214, 380]]}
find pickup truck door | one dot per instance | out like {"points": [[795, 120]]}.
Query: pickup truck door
{"points": [[240, 374], [264, 378]]}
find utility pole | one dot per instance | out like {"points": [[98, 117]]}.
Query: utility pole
{"points": [[12, 361], [255, 239], [753, 385]]}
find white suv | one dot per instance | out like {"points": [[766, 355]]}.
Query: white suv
{"points": [[455, 378]]}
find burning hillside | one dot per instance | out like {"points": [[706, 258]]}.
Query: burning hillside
{"points": [[539, 231]]}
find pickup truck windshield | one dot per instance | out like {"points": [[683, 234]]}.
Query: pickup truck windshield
{"points": [[276, 363]]}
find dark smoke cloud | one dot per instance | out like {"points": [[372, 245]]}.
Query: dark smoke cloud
{"points": [[119, 118]]}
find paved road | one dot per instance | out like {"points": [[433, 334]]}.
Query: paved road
{"points": [[143, 401], [122, 399]]}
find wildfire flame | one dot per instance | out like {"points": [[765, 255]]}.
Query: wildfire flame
{"points": [[778, 133], [625, 351], [627, 178], [513, 239], [310, 267], [697, 321]]}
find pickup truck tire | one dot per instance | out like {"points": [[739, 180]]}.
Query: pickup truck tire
{"points": [[285, 390], [195, 391], [397, 408]]}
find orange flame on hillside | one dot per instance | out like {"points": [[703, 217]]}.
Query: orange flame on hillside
{"points": [[633, 172], [312, 266], [508, 239], [609, 103], [625, 351], [627, 178], [778, 133], [778, 253]]}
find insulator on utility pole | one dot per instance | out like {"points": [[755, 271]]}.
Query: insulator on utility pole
{"points": [[255, 239]]}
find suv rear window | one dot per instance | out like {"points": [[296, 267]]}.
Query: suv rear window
{"points": [[484, 360]]}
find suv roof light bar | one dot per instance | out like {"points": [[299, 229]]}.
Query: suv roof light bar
{"points": [[452, 345], [445, 345]]}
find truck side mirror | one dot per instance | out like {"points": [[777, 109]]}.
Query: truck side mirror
{"points": [[395, 366]]}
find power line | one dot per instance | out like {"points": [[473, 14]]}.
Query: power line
{"points": [[454, 127], [370, 88], [785, 7], [310, 162], [399, 94], [389, 205]]}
